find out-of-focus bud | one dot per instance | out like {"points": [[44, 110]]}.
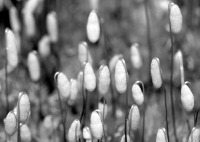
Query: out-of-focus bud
{"points": [[134, 117], [113, 61], [104, 80], [84, 53], [175, 18], [74, 131], [156, 73], [14, 20], [178, 65], [29, 23], [25, 133], [44, 46], [52, 26], [24, 106], [137, 94], [94, 4], [80, 81], [33, 66], [31, 5], [121, 76], [73, 90], [187, 98], [63, 84], [124, 140], [135, 56], [96, 125], [10, 123], [195, 135], [93, 27], [87, 134], [103, 108], [161, 135], [12, 49], [89, 77]]}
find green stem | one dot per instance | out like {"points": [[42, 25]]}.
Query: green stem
{"points": [[6, 84], [104, 134]]}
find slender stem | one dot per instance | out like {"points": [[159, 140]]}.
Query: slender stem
{"points": [[6, 84], [18, 121], [104, 134], [143, 126], [171, 77], [112, 97], [148, 38], [188, 125]]}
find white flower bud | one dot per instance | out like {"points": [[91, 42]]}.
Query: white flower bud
{"points": [[156, 73], [195, 135], [161, 135], [104, 80], [87, 133], [96, 125], [25, 133], [135, 56], [89, 78], [33, 66], [44, 46], [93, 27], [73, 90], [137, 94], [113, 61], [124, 140], [175, 18], [74, 131], [24, 106], [14, 19], [178, 65], [121, 76], [80, 81], [29, 23], [187, 98], [134, 117], [10, 123], [84, 53]]}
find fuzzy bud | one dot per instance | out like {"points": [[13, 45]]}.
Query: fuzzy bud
{"points": [[187, 98], [135, 56], [96, 125], [87, 133], [89, 77], [195, 135], [33, 66], [73, 90], [25, 133], [175, 17], [52, 26], [10, 123], [156, 73], [14, 19], [44, 46], [63, 84], [134, 117], [124, 140], [93, 27], [84, 53], [161, 135], [12, 49], [121, 76], [74, 131], [137, 94], [29, 23], [113, 61], [104, 80]]}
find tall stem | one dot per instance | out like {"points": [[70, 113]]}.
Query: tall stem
{"points": [[104, 134], [6, 83], [18, 120], [171, 77]]}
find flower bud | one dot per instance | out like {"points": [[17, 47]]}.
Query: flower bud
{"points": [[135, 56], [52, 26], [161, 135], [178, 65], [44, 46], [113, 61], [156, 73], [33, 66], [96, 125], [103, 108], [74, 131], [29, 24], [89, 78], [175, 17], [121, 76], [124, 140], [93, 27], [10, 123], [12, 49], [137, 94], [80, 81], [84, 53], [134, 117], [87, 133], [31, 5], [187, 98], [14, 19], [25, 133], [195, 135], [104, 80], [24, 106], [63, 84], [73, 90]]}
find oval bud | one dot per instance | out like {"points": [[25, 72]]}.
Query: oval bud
{"points": [[175, 17], [187, 98], [12, 49], [156, 73], [135, 56], [103, 108], [123, 139], [84, 53], [96, 125], [44, 46], [161, 135], [29, 24], [93, 27], [86, 133], [178, 65], [24, 106], [195, 135], [73, 90], [52, 26], [33, 66], [10, 123], [89, 77], [31, 5], [80, 81], [113, 61], [74, 131], [121, 76], [137, 94], [63, 84], [104, 80], [14, 19], [134, 117], [25, 133]]}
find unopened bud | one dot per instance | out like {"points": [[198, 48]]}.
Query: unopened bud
{"points": [[25, 133], [74, 131], [156, 73], [44, 46], [73, 90], [137, 94], [80, 81], [113, 61], [195, 135], [87, 133], [24, 106], [14, 19], [135, 56], [134, 117], [89, 77], [123, 139], [84, 53], [29, 23], [10, 123], [161, 135]]}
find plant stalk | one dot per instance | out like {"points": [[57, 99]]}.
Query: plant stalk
{"points": [[6, 83], [18, 121], [104, 134]]}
